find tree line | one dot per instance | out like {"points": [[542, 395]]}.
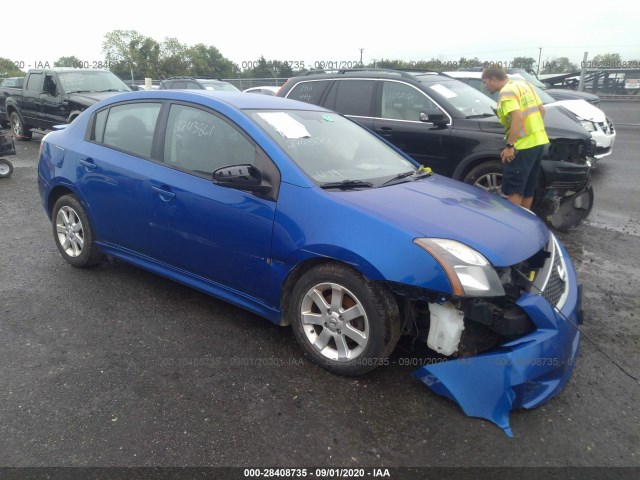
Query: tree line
{"points": [[133, 56]]}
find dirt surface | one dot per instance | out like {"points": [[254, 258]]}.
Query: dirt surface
{"points": [[114, 366]]}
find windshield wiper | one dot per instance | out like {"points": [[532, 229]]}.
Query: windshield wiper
{"points": [[82, 91], [414, 174], [347, 184], [113, 90]]}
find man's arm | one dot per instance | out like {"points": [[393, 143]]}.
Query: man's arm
{"points": [[541, 108], [517, 124]]}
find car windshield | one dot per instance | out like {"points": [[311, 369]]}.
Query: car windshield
{"points": [[225, 87], [330, 148], [461, 96], [91, 81]]}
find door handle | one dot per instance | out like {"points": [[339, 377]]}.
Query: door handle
{"points": [[88, 164], [385, 131], [164, 194]]}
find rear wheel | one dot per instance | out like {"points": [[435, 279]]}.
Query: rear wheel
{"points": [[343, 322], [19, 128], [73, 233]]}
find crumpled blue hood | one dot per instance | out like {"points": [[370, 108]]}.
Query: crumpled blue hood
{"points": [[443, 208]]}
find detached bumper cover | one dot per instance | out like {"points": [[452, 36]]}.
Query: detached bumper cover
{"points": [[521, 374]]}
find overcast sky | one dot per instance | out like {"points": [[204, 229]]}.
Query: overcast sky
{"points": [[329, 30]]}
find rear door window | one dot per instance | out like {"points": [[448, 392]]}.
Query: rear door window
{"points": [[34, 82], [352, 97], [128, 127]]}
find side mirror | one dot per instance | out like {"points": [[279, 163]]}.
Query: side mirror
{"points": [[433, 116], [241, 177]]}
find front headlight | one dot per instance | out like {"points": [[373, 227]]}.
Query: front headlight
{"points": [[588, 126], [469, 273]]}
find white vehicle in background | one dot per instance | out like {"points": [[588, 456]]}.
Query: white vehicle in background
{"points": [[264, 90], [632, 86], [591, 117]]}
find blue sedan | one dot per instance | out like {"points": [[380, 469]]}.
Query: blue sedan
{"points": [[302, 216]]}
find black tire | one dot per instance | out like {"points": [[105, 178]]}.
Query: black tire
{"points": [[6, 168], [18, 127], [487, 175], [375, 323], [572, 210], [73, 233]]}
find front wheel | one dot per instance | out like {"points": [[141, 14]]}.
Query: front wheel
{"points": [[487, 176], [344, 323], [6, 168], [18, 127], [73, 233]]}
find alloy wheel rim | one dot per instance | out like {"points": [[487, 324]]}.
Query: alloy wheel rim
{"points": [[70, 231], [491, 182], [334, 322]]}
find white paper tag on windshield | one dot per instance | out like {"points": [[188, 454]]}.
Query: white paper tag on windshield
{"points": [[285, 125], [444, 91]]}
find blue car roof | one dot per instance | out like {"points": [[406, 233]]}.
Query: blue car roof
{"points": [[238, 100]]}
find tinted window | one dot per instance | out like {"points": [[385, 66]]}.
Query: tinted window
{"points": [[404, 102], [310, 92], [352, 97], [201, 142], [130, 127]]}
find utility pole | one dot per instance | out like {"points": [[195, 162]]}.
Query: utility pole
{"points": [[582, 72], [361, 50], [539, 55]]}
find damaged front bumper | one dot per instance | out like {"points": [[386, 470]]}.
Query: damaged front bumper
{"points": [[523, 373]]}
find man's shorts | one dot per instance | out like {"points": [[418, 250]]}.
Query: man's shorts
{"points": [[521, 174]]}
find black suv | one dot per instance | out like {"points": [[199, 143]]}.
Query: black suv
{"points": [[191, 83], [452, 128]]}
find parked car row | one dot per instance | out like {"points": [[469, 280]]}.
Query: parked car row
{"points": [[452, 128]]}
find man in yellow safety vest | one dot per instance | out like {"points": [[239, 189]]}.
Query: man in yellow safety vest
{"points": [[521, 113]]}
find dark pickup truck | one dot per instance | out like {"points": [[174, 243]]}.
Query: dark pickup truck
{"points": [[54, 96]]}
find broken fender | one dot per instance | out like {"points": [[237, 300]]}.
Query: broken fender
{"points": [[524, 373]]}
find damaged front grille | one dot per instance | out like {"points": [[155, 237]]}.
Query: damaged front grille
{"points": [[461, 327], [552, 279]]}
